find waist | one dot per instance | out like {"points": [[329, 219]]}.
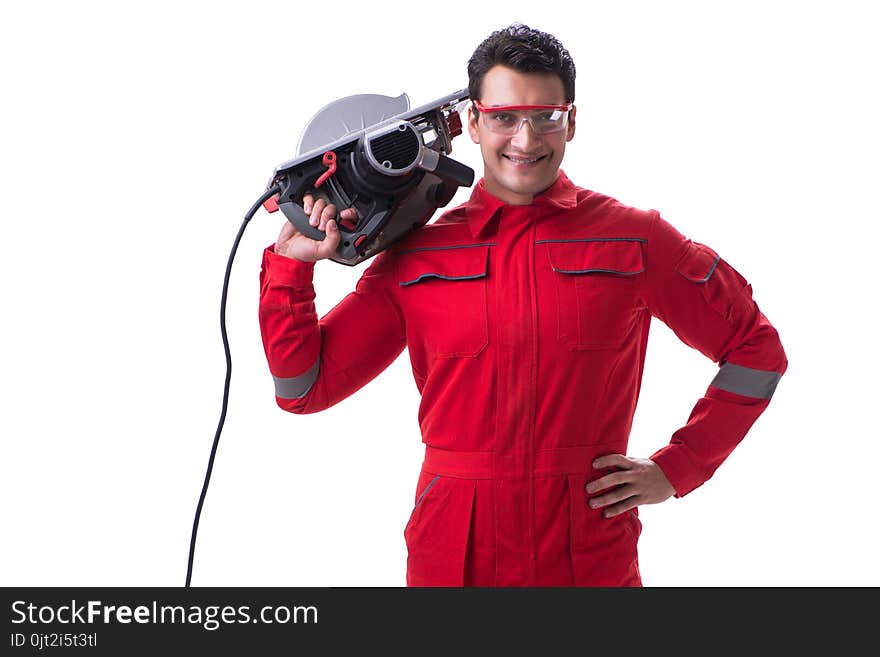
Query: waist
{"points": [[481, 465]]}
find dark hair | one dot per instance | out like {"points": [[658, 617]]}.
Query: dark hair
{"points": [[523, 49]]}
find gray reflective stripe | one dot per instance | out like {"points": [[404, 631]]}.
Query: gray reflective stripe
{"points": [[746, 381], [296, 386]]}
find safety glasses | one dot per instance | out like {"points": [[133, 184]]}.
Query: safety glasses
{"points": [[508, 119]]}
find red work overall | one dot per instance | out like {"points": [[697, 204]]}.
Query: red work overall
{"points": [[526, 327]]}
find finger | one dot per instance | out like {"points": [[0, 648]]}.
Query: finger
{"points": [[613, 461], [328, 213], [349, 213], [621, 507], [317, 209], [308, 200], [609, 498], [609, 480], [327, 246]]}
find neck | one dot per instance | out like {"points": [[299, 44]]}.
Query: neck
{"points": [[509, 196]]}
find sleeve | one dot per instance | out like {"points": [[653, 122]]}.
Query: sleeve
{"points": [[316, 364], [709, 306]]}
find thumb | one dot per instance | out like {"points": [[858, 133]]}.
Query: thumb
{"points": [[327, 246], [288, 230]]}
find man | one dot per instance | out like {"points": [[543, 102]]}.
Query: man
{"points": [[526, 314]]}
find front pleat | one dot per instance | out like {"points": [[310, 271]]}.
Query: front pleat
{"points": [[572, 523], [479, 566], [467, 502]]}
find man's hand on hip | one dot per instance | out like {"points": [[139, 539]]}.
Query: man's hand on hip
{"points": [[636, 482]]}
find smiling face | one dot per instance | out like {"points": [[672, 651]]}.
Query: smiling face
{"points": [[521, 165]]}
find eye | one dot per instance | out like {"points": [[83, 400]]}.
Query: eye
{"points": [[501, 117], [550, 116]]}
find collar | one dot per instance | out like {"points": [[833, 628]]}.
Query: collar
{"points": [[482, 205]]}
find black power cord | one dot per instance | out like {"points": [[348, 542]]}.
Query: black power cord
{"points": [[269, 193]]}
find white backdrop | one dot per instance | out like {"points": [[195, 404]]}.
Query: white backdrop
{"points": [[134, 138]]}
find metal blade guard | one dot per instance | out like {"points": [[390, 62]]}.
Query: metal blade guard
{"points": [[392, 168]]}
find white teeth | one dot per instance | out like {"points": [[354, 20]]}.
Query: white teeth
{"points": [[519, 161]]}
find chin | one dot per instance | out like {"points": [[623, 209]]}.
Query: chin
{"points": [[530, 189], [528, 184]]}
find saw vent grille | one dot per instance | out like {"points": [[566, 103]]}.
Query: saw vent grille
{"points": [[400, 148]]}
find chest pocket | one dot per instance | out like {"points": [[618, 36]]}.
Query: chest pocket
{"points": [[444, 297], [597, 290]]}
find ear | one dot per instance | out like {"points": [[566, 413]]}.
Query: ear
{"points": [[472, 125], [571, 124]]}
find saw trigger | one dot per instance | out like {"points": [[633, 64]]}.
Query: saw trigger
{"points": [[329, 161]]}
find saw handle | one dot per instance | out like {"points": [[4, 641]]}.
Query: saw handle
{"points": [[305, 178], [454, 171]]}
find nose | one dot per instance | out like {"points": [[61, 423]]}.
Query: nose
{"points": [[525, 136]]}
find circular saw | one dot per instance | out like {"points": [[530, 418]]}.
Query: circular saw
{"points": [[375, 154]]}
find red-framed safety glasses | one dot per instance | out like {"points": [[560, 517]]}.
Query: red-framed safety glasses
{"points": [[508, 119]]}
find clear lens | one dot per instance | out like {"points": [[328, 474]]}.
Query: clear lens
{"points": [[543, 122]]}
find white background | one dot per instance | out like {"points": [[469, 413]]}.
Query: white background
{"points": [[134, 139]]}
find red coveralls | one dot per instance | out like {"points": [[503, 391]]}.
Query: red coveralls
{"points": [[527, 328]]}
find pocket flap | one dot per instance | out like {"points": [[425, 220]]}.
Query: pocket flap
{"points": [[622, 257], [698, 262], [448, 263]]}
